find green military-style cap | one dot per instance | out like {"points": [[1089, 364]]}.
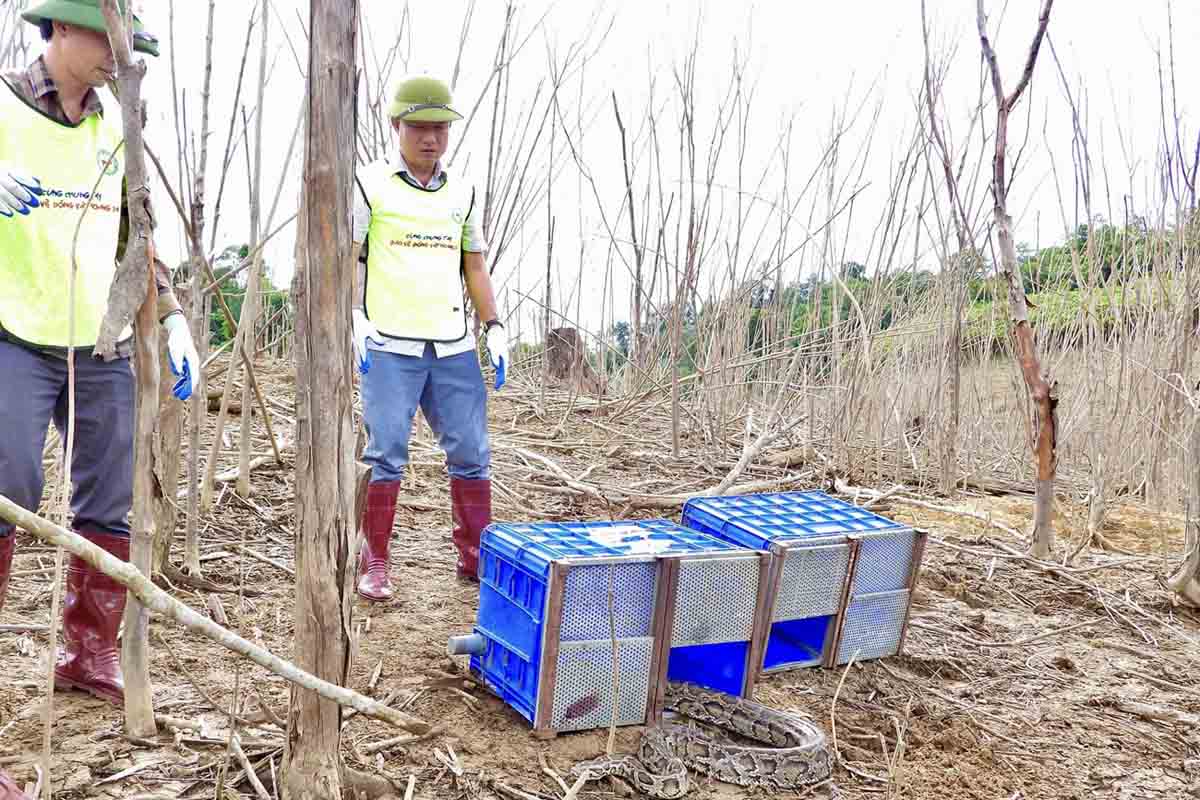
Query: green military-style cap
{"points": [[423, 99], [87, 14]]}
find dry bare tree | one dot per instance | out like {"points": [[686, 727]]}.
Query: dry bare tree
{"points": [[956, 268], [1186, 580], [1042, 390], [132, 296], [325, 482], [199, 306], [254, 283]]}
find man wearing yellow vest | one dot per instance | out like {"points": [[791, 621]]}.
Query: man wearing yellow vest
{"points": [[424, 251], [56, 141]]}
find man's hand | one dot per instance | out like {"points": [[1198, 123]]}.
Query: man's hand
{"points": [[185, 361], [497, 346], [364, 332], [18, 191]]}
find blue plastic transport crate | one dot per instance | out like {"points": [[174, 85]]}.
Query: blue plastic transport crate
{"points": [[841, 578], [684, 606]]}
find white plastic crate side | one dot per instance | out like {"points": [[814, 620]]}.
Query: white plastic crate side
{"points": [[812, 581], [884, 562], [585, 614], [583, 690], [873, 626], [715, 600]]}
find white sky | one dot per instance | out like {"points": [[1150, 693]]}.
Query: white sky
{"points": [[804, 59]]}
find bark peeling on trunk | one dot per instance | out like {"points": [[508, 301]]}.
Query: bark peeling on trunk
{"points": [[1042, 390], [133, 290], [325, 476]]}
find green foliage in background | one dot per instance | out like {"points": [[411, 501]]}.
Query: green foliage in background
{"points": [[1101, 267], [234, 289]]}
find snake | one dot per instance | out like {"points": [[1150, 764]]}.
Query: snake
{"points": [[788, 751]]}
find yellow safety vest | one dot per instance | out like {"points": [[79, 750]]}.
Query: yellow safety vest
{"points": [[414, 286], [36, 250]]}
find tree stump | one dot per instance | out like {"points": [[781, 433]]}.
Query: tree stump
{"points": [[566, 358]]}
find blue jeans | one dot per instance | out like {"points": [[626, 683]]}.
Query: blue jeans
{"points": [[452, 396], [33, 392]]}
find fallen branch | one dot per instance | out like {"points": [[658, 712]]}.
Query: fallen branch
{"points": [[400, 741], [251, 775], [675, 501], [1151, 713], [751, 451], [157, 600], [270, 561]]}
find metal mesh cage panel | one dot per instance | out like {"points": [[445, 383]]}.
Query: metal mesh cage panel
{"points": [[884, 562], [874, 623], [812, 582], [715, 600], [583, 689], [585, 614]]}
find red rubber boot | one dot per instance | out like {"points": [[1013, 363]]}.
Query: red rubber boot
{"points": [[7, 543], [92, 607], [471, 507], [374, 580]]}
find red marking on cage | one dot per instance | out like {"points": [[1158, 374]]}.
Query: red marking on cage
{"points": [[582, 706]]}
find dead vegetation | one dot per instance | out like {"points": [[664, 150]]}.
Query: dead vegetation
{"points": [[1020, 677], [1069, 674]]}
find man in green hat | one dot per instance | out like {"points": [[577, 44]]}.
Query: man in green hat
{"points": [[60, 152], [420, 247]]}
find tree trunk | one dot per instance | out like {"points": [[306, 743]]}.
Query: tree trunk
{"points": [[1186, 582], [1094, 350], [199, 315], [638, 251], [133, 291], [325, 483], [1041, 392], [254, 282], [949, 448], [1041, 389], [960, 267], [135, 641], [169, 440]]}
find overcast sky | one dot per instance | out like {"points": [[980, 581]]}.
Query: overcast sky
{"points": [[804, 59]]}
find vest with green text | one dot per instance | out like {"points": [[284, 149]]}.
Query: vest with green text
{"points": [[414, 286], [36, 250]]}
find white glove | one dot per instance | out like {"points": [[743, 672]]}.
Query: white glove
{"points": [[496, 339], [185, 361], [18, 192], [364, 332]]}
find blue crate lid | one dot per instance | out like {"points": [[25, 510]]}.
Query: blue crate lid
{"points": [[535, 545], [759, 520]]}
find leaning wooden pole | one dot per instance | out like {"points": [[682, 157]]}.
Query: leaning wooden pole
{"points": [[324, 432], [135, 282], [1041, 388]]}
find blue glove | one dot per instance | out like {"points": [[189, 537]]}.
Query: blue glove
{"points": [[18, 192], [182, 354]]}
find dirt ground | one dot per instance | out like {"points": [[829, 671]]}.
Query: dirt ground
{"points": [[1017, 681]]}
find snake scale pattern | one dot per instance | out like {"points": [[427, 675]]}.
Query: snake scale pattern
{"points": [[791, 751]]}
